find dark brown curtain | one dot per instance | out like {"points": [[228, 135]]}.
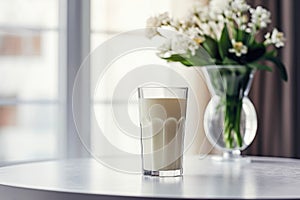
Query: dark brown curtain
{"points": [[278, 103]]}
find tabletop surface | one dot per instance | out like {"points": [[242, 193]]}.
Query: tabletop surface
{"points": [[203, 178]]}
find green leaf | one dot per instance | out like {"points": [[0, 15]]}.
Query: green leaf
{"points": [[255, 52], [224, 43], [271, 53], [228, 61], [280, 66], [258, 66], [243, 36], [211, 46], [201, 58], [179, 58], [239, 35]]}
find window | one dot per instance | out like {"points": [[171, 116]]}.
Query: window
{"points": [[42, 44], [29, 80]]}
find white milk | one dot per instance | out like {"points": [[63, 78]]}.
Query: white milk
{"points": [[162, 122]]}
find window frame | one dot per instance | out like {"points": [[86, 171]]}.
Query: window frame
{"points": [[74, 26]]}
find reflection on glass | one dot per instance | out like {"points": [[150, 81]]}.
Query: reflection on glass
{"points": [[158, 185]]}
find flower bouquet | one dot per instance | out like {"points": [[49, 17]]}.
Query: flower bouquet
{"points": [[224, 35]]}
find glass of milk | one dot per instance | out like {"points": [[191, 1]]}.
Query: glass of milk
{"points": [[162, 121]]}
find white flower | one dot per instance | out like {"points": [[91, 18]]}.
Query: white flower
{"points": [[223, 11], [238, 20], [151, 32], [206, 29], [204, 14], [164, 18], [184, 24], [193, 32], [239, 6], [228, 7], [211, 27], [154, 22], [165, 50], [243, 23], [243, 27], [216, 29], [228, 14], [219, 6], [277, 38], [196, 34], [221, 19], [182, 44], [179, 44], [195, 20], [260, 17], [238, 48], [197, 7], [245, 19], [175, 23]]}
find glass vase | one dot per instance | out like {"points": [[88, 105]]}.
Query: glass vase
{"points": [[230, 120]]}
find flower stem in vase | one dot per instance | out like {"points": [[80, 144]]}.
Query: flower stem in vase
{"points": [[232, 119], [237, 129], [233, 101]]}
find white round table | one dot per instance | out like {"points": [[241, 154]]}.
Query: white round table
{"points": [[203, 179]]}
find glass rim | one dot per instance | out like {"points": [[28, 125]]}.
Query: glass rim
{"points": [[162, 87]]}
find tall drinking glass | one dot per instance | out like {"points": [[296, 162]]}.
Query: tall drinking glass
{"points": [[162, 120]]}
